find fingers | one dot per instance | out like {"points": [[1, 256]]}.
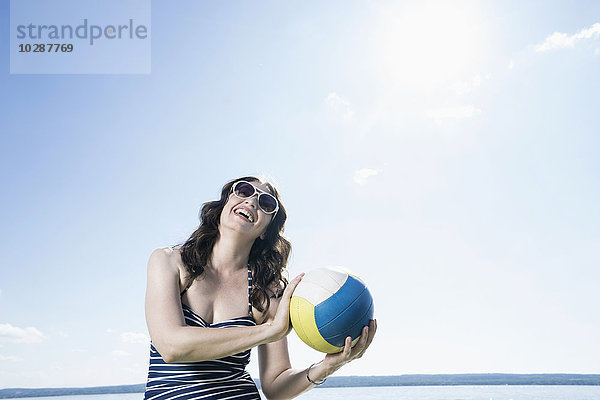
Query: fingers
{"points": [[284, 304], [372, 330], [289, 290], [364, 335], [360, 345], [347, 351], [296, 281], [365, 340]]}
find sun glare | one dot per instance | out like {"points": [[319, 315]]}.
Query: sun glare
{"points": [[427, 44]]}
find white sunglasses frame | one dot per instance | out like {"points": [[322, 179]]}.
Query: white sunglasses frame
{"points": [[260, 192]]}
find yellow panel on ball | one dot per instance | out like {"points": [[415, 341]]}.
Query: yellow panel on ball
{"points": [[302, 314]]}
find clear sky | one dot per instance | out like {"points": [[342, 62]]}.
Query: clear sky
{"points": [[446, 152]]}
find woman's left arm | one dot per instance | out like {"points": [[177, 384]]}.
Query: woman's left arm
{"points": [[279, 381]]}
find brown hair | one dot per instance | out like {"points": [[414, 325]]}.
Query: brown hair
{"points": [[268, 256]]}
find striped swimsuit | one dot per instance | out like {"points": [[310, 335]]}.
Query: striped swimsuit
{"points": [[225, 378]]}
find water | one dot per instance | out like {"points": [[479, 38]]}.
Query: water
{"points": [[412, 393], [457, 393]]}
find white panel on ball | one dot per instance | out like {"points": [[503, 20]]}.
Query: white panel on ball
{"points": [[319, 284]]}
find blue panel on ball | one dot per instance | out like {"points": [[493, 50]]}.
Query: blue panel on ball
{"points": [[345, 313], [350, 322], [330, 308]]}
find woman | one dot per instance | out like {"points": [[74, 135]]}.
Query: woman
{"points": [[228, 275]]}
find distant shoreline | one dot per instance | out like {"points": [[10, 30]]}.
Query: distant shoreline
{"points": [[352, 381]]}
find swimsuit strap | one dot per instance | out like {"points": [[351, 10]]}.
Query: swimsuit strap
{"points": [[249, 289], [187, 287]]}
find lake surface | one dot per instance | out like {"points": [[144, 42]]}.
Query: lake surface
{"points": [[504, 392]]}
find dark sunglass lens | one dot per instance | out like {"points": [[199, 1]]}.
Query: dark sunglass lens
{"points": [[244, 189], [267, 202]]}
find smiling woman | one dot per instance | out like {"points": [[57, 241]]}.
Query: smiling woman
{"points": [[228, 275], [268, 255]]}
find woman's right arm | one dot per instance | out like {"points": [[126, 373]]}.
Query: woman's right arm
{"points": [[177, 342]]}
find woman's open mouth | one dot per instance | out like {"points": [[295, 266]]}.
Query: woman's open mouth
{"points": [[244, 214]]}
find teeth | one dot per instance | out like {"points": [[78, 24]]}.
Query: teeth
{"points": [[245, 213]]}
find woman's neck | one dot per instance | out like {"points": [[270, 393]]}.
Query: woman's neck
{"points": [[230, 253]]}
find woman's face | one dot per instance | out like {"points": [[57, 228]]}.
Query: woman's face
{"points": [[244, 215]]}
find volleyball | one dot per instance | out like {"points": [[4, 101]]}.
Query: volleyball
{"points": [[328, 305]]}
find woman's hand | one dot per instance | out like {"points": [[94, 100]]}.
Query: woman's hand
{"points": [[333, 362], [280, 323]]}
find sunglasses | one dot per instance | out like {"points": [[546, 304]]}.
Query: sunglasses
{"points": [[266, 201]]}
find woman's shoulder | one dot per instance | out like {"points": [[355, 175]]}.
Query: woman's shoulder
{"points": [[165, 265], [165, 254], [165, 258]]}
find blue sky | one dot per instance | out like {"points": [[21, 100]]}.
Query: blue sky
{"points": [[446, 152]]}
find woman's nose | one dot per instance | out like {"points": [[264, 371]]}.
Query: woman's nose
{"points": [[252, 200]]}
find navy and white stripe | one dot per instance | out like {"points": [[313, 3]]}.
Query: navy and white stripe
{"points": [[225, 378]]}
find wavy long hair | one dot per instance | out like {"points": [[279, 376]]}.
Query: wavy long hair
{"points": [[268, 257]]}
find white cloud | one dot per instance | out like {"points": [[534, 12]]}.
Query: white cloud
{"points": [[339, 107], [133, 337], [441, 115], [560, 40], [471, 84], [20, 335], [361, 175], [10, 358], [511, 64]]}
